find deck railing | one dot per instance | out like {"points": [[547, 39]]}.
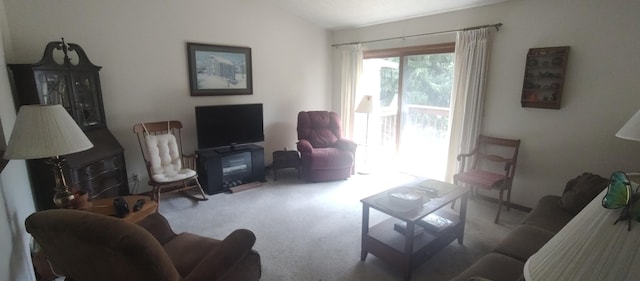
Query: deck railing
{"points": [[429, 120]]}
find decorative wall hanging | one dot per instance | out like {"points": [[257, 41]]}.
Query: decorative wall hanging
{"points": [[217, 70], [544, 75]]}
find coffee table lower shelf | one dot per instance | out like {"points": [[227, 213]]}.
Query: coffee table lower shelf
{"points": [[388, 244]]}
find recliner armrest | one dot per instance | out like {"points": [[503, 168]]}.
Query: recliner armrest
{"points": [[158, 226], [224, 257], [346, 144], [304, 146]]}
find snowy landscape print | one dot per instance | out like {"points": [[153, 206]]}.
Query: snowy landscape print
{"points": [[221, 70]]}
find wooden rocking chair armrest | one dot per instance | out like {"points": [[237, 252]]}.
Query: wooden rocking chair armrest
{"points": [[461, 156], [224, 257]]}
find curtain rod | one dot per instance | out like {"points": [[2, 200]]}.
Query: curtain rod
{"points": [[497, 26]]}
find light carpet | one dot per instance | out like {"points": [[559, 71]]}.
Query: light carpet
{"points": [[311, 231]]}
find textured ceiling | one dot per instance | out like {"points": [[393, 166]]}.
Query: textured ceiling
{"points": [[342, 14]]}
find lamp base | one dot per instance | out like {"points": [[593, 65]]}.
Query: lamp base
{"points": [[63, 198]]}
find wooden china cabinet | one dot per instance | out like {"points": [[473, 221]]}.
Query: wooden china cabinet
{"points": [[74, 83]]}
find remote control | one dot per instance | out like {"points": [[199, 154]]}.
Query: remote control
{"points": [[138, 205], [121, 206]]}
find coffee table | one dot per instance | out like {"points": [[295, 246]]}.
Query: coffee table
{"points": [[409, 251]]}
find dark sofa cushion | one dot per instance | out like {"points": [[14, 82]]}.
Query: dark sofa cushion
{"points": [[495, 267], [580, 191], [523, 242], [548, 214]]}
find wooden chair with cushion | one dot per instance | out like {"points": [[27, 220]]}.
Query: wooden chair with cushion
{"points": [[168, 168], [493, 166], [85, 246]]}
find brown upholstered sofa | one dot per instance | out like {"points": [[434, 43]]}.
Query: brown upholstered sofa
{"points": [[87, 246], [506, 261]]}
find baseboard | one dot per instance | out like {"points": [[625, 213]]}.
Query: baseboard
{"points": [[245, 186]]}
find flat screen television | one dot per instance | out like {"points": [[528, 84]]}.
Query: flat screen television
{"points": [[228, 125]]}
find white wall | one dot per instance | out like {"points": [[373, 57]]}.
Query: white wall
{"points": [[600, 92], [16, 202], [141, 46]]}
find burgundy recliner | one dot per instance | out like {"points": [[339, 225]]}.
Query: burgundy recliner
{"points": [[325, 154]]}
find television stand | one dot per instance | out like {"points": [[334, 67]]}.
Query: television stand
{"points": [[245, 186], [220, 169], [232, 148]]}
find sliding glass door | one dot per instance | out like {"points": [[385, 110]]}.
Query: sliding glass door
{"points": [[409, 130]]}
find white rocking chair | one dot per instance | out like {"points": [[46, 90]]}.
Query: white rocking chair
{"points": [[168, 168]]}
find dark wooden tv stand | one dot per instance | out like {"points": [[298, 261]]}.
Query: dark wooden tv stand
{"points": [[224, 167]]}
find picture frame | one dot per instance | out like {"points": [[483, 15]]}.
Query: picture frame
{"points": [[219, 70]]}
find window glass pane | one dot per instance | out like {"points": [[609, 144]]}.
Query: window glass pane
{"points": [[409, 129], [427, 82]]}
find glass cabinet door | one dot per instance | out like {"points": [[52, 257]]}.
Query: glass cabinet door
{"points": [[86, 98], [53, 88]]}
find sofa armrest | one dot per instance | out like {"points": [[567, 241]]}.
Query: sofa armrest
{"points": [[548, 214], [159, 227], [304, 146], [224, 257], [346, 144]]}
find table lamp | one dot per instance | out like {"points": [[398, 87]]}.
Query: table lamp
{"points": [[631, 129], [366, 106], [47, 131]]}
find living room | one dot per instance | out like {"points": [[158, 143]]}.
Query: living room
{"points": [[141, 47]]}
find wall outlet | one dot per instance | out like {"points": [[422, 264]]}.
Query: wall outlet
{"points": [[134, 181]]}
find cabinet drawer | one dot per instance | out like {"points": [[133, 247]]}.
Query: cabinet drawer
{"points": [[100, 167], [103, 178], [109, 184]]}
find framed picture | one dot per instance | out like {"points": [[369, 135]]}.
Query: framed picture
{"points": [[217, 70]]}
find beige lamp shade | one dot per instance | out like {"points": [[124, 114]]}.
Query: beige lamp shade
{"points": [[45, 131], [589, 247], [631, 129], [365, 105]]}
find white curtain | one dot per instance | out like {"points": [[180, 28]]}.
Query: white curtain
{"points": [[469, 82], [351, 72]]}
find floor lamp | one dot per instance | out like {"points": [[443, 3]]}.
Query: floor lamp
{"points": [[366, 106], [47, 131]]}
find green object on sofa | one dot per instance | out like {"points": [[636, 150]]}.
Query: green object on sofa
{"points": [[89, 247], [551, 213]]}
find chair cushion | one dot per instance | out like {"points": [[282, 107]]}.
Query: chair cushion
{"points": [[495, 267], [330, 158], [523, 242], [164, 155], [548, 214], [320, 128], [187, 250], [480, 178], [170, 177]]}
